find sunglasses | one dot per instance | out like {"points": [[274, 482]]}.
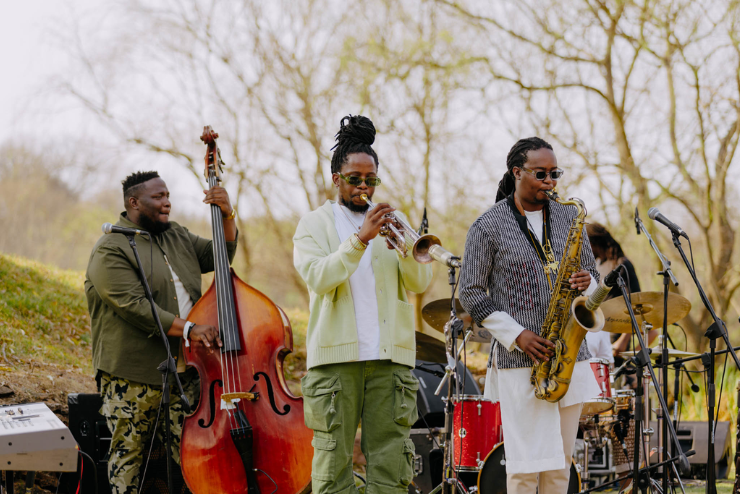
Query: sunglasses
{"points": [[542, 174], [356, 181]]}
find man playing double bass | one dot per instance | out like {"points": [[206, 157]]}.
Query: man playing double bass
{"points": [[127, 347], [360, 340]]}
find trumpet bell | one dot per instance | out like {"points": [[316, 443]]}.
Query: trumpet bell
{"points": [[422, 246]]}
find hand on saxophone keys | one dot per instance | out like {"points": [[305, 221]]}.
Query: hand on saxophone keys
{"points": [[536, 347], [580, 280]]}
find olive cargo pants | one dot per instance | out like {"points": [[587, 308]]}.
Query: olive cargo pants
{"points": [[380, 393]]}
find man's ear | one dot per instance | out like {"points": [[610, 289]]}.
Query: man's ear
{"points": [[335, 178], [132, 203], [516, 172]]}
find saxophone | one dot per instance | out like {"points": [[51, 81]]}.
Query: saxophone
{"points": [[569, 316]]}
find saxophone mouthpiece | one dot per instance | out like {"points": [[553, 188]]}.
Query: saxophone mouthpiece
{"points": [[552, 194]]}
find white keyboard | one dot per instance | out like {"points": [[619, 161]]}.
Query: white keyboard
{"points": [[32, 438]]}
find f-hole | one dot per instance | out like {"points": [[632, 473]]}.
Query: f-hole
{"points": [[212, 402]]}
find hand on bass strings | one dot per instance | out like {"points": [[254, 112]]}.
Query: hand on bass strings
{"points": [[218, 196], [580, 280], [538, 348], [205, 335], [374, 220]]}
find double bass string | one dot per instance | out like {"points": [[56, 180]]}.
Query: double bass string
{"points": [[226, 316], [220, 298]]}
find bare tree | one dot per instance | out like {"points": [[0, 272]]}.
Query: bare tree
{"points": [[644, 95]]}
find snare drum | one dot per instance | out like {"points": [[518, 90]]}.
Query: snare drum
{"points": [[476, 429], [605, 402]]}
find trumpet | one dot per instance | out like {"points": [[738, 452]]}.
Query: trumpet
{"points": [[424, 248]]}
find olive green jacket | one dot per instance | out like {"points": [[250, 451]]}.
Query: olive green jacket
{"points": [[125, 339]]}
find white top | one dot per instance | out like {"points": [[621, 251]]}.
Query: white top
{"points": [[184, 303], [600, 345], [183, 297], [362, 285], [536, 222]]}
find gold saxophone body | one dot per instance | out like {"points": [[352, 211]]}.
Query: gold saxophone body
{"points": [[569, 316]]}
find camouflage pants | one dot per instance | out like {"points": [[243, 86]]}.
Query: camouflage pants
{"points": [[130, 410]]}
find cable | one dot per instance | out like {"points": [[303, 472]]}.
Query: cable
{"points": [[94, 470], [686, 338]]}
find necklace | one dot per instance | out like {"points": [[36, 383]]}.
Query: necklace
{"points": [[549, 264], [341, 208]]}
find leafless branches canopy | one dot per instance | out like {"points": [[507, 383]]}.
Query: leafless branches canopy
{"points": [[640, 97]]}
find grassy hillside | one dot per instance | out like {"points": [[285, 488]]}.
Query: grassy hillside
{"points": [[43, 315]]}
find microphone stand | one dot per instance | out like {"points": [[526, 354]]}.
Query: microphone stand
{"points": [[165, 368], [667, 274], [450, 485], [642, 361], [716, 330]]}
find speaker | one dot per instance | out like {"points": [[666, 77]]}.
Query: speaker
{"points": [[428, 461], [431, 407], [92, 435], [695, 435]]}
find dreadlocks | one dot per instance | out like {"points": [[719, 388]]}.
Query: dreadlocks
{"points": [[516, 159], [132, 183], [354, 136]]}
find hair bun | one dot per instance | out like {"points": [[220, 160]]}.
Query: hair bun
{"points": [[357, 128]]}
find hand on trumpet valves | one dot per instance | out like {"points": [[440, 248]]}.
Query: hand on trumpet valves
{"points": [[375, 219]]}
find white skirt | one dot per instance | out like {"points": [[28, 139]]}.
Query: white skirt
{"points": [[532, 426]]}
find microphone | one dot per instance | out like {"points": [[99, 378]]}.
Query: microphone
{"points": [[654, 214], [605, 286], [109, 228], [637, 221]]}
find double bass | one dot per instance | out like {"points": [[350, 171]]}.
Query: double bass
{"points": [[247, 434]]}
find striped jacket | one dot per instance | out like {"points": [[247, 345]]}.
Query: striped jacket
{"points": [[503, 270]]}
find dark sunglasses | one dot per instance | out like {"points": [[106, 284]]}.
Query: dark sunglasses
{"points": [[356, 181], [542, 174]]}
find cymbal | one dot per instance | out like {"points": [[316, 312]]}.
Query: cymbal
{"points": [[656, 353], [437, 314], [430, 348], [648, 306]]}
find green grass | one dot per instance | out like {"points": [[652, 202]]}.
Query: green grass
{"points": [[43, 315]]}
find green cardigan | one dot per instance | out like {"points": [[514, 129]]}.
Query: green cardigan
{"points": [[125, 339], [326, 265]]}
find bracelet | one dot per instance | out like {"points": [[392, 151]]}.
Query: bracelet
{"points": [[186, 332], [232, 215], [357, 238]]}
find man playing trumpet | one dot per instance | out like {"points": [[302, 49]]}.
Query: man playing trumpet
{"points": [[360, 338]]}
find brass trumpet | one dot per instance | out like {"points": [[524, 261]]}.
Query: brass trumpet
{"points": [[424, 248]]}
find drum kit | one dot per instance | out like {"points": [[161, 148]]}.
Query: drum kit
{"points": [[477, 438]]}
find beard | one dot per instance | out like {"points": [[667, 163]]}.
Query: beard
{"points": [[152, 226], [352, 206]]}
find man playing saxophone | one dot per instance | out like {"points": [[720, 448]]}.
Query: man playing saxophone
{"points": [[512, 257]]}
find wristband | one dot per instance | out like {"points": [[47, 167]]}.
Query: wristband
{"points": [[186, 332]]}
